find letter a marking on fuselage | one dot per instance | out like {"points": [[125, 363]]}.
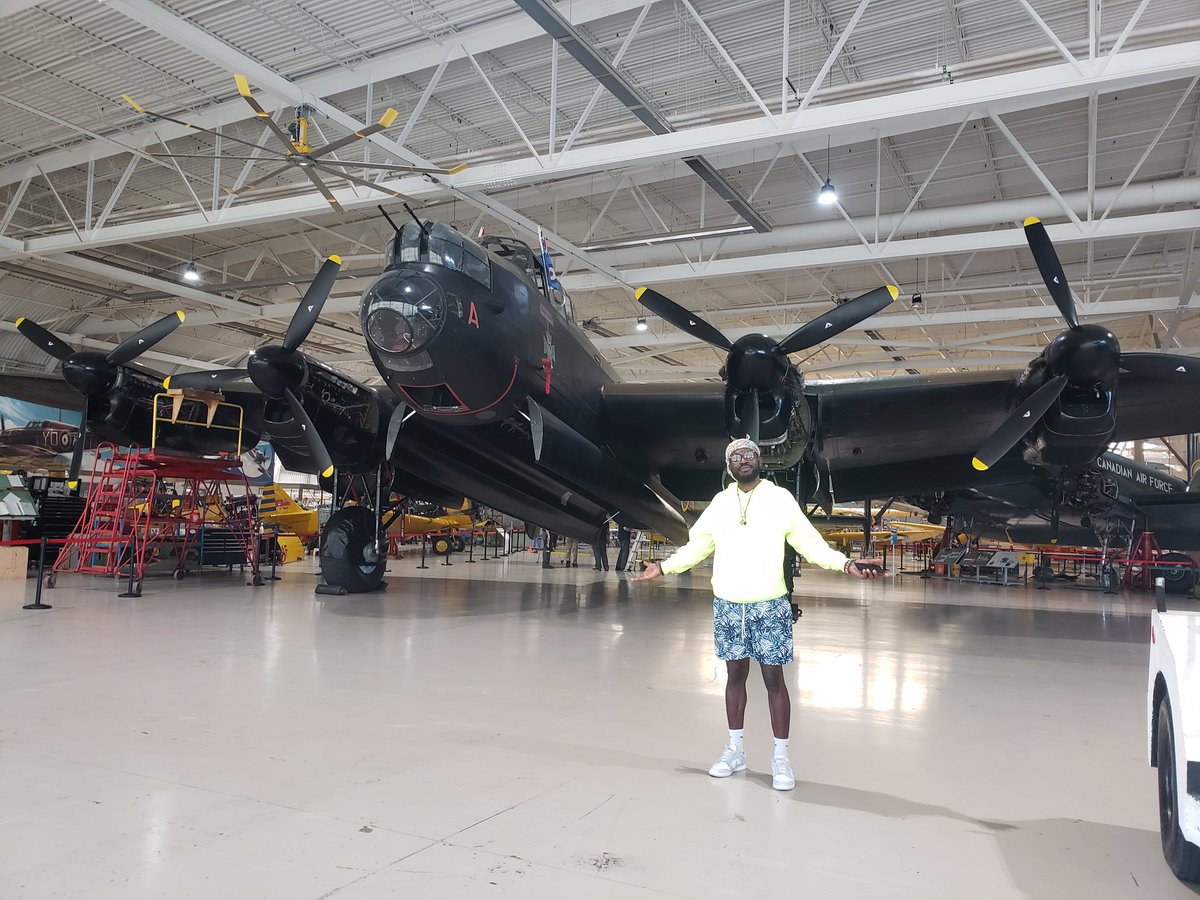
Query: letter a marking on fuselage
{"points": [[473, 315]]}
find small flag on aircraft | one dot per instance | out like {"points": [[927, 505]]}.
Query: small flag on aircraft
{"points": [[551, 278]]}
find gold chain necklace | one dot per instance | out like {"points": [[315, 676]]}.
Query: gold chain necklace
{"points": [[749, 496]]}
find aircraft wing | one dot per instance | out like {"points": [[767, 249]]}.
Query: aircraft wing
{"points": [[1146, 408]]}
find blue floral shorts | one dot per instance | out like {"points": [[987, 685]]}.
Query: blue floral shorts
{"points": [[761, 630]]}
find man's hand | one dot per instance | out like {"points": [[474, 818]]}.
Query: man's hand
{"points": [[862, 568], [652, 571]]}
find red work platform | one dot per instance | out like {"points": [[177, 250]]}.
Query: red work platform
{"points": [[146, 506]]}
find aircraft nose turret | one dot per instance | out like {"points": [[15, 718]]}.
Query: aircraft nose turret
{"points": [[404, 312]]}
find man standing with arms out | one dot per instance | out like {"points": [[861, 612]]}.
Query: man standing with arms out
{"points": [[746, 525]]}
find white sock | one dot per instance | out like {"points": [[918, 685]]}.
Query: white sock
{"points": [[735, 738], [781, 747]]}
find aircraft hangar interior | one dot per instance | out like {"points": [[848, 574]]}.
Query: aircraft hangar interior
{"points": [[624, 448]]}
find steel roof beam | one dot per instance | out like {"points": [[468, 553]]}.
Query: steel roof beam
{"points": [[546, 14]]}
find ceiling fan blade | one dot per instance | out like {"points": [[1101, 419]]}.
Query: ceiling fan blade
{"points": [[1052, 271], [1018, 423], [336, 173], [77, 453], [137, 344], [210, 157], [385, 121], [243, 87], [212, 380], [46, 340], [751, 414], [309, 310], [395, 423], [839, 319], [672, 312], [321, 186], [154, 115], [251, 185], [316, 446], [1161, 365], [383, 167]]}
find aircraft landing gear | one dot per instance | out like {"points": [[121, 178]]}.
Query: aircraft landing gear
{"points": [[350, 559]]}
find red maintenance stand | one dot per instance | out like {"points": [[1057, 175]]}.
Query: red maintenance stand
{"points": [[146, 507]]}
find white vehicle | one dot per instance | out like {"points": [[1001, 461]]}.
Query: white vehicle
{"points": [[1173, 718]]}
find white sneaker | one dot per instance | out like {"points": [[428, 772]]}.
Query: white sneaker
{"points": [[732, 760], [782, 778]]}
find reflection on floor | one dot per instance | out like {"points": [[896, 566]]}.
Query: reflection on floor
{"points": [[496, 729]]}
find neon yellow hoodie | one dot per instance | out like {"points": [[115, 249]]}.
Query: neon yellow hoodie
{"points": [[748, 566]]}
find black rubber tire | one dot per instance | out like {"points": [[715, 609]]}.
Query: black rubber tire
{"points": [[177, 574], [1181, 856], [1179, 579], [457, 544], [51, 579], [440, 546], [348, 556]]}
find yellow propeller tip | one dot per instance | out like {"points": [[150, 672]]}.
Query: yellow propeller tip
{"points": [[71, 485], [327, 473], [20, 320], [180, 313], [456, 169], [894, 291], [638, 293], [1054, 540], [132, 103], [388, 118], [167, 383], [174, 504], [334, 258], [1032, 220], [979, 464], [243, 85]]}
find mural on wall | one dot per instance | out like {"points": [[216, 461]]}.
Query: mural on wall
{"points": [[34, 437]]}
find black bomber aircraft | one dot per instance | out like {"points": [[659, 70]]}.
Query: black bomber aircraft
{"points": [[495, 393]]}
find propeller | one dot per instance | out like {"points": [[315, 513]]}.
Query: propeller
{"points": [[280, 371], [1046, 258], [756, 364], [1087, 355], [1018, 423], [92, 373]]}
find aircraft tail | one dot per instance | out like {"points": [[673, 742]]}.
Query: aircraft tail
{"points": [[276, 499]]}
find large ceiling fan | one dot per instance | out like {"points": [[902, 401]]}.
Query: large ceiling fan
{"points": [[297, 152]]}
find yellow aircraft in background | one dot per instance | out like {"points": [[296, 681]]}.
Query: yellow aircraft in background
{"points": [[277, 508]]}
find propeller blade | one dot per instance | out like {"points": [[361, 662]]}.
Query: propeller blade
{"points": [[316, 446], [685, 321], [212, 380], [393, 430], [1017, 425], [385, 122], [46, 340], [77, 453], [1161, 365], [750, 414], [1052, 271], [839, 319], [309, 310], [137, 344]]}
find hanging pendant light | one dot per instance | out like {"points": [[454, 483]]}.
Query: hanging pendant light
{"points": [[828, 194]]}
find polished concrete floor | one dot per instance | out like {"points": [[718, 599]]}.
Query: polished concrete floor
{"points": [[498, 730]]}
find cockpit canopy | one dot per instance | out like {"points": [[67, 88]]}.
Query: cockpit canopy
{"points": [[444, 246]]}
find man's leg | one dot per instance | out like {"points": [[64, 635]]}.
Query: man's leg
{"points": [[738, 670], [778, 700], [733, 757]]}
